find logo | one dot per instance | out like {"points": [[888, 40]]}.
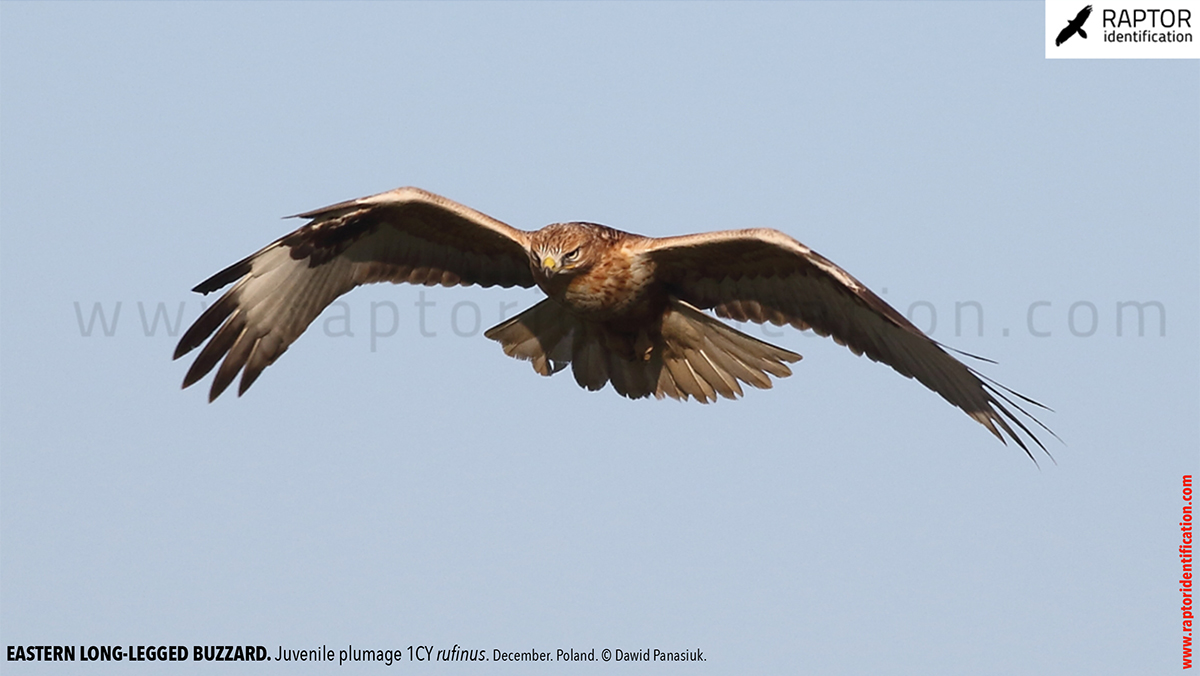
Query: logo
{"points": [[1122, 29], [1075, 26]]}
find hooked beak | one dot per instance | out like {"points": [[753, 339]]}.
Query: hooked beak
{"points": [[549, 264]]}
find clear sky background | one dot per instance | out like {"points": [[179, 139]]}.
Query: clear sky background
{"points": [[427, 490]]}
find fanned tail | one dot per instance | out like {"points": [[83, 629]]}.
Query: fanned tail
{"points": [[687, 355]]}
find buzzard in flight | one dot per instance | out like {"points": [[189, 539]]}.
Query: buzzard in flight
{"points": [[621, 308], [1074, 26]]}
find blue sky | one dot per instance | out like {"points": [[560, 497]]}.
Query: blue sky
{"points": [[385, 488]]}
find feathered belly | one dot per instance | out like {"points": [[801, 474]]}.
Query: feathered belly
{"points": [[612, 293]]}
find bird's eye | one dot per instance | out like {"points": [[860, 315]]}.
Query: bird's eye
{"points": [[570, 257]]}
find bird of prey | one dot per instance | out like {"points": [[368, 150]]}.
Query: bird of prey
{"points": [[620, 308], [1074, 26]]}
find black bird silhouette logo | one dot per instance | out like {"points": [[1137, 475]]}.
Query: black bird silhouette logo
{"points": [[1075, 26]]}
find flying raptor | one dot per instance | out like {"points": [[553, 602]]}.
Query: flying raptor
{"points": [[620, 308], [1074, 26]]}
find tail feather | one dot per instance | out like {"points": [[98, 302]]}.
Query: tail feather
{"points": [[589, 357], [689, 354], [542, 334], [633, 377]]}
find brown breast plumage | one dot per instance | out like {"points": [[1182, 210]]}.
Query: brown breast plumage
{"points": [[619, 285]]}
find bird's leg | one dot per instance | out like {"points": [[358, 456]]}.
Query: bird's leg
{"points": [[643, 346]]}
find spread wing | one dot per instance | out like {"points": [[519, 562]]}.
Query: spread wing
{"points": [[405, 235], [1082, 16], [766, 276]]}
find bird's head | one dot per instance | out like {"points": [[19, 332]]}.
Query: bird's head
{"points": [[564, 249]]}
